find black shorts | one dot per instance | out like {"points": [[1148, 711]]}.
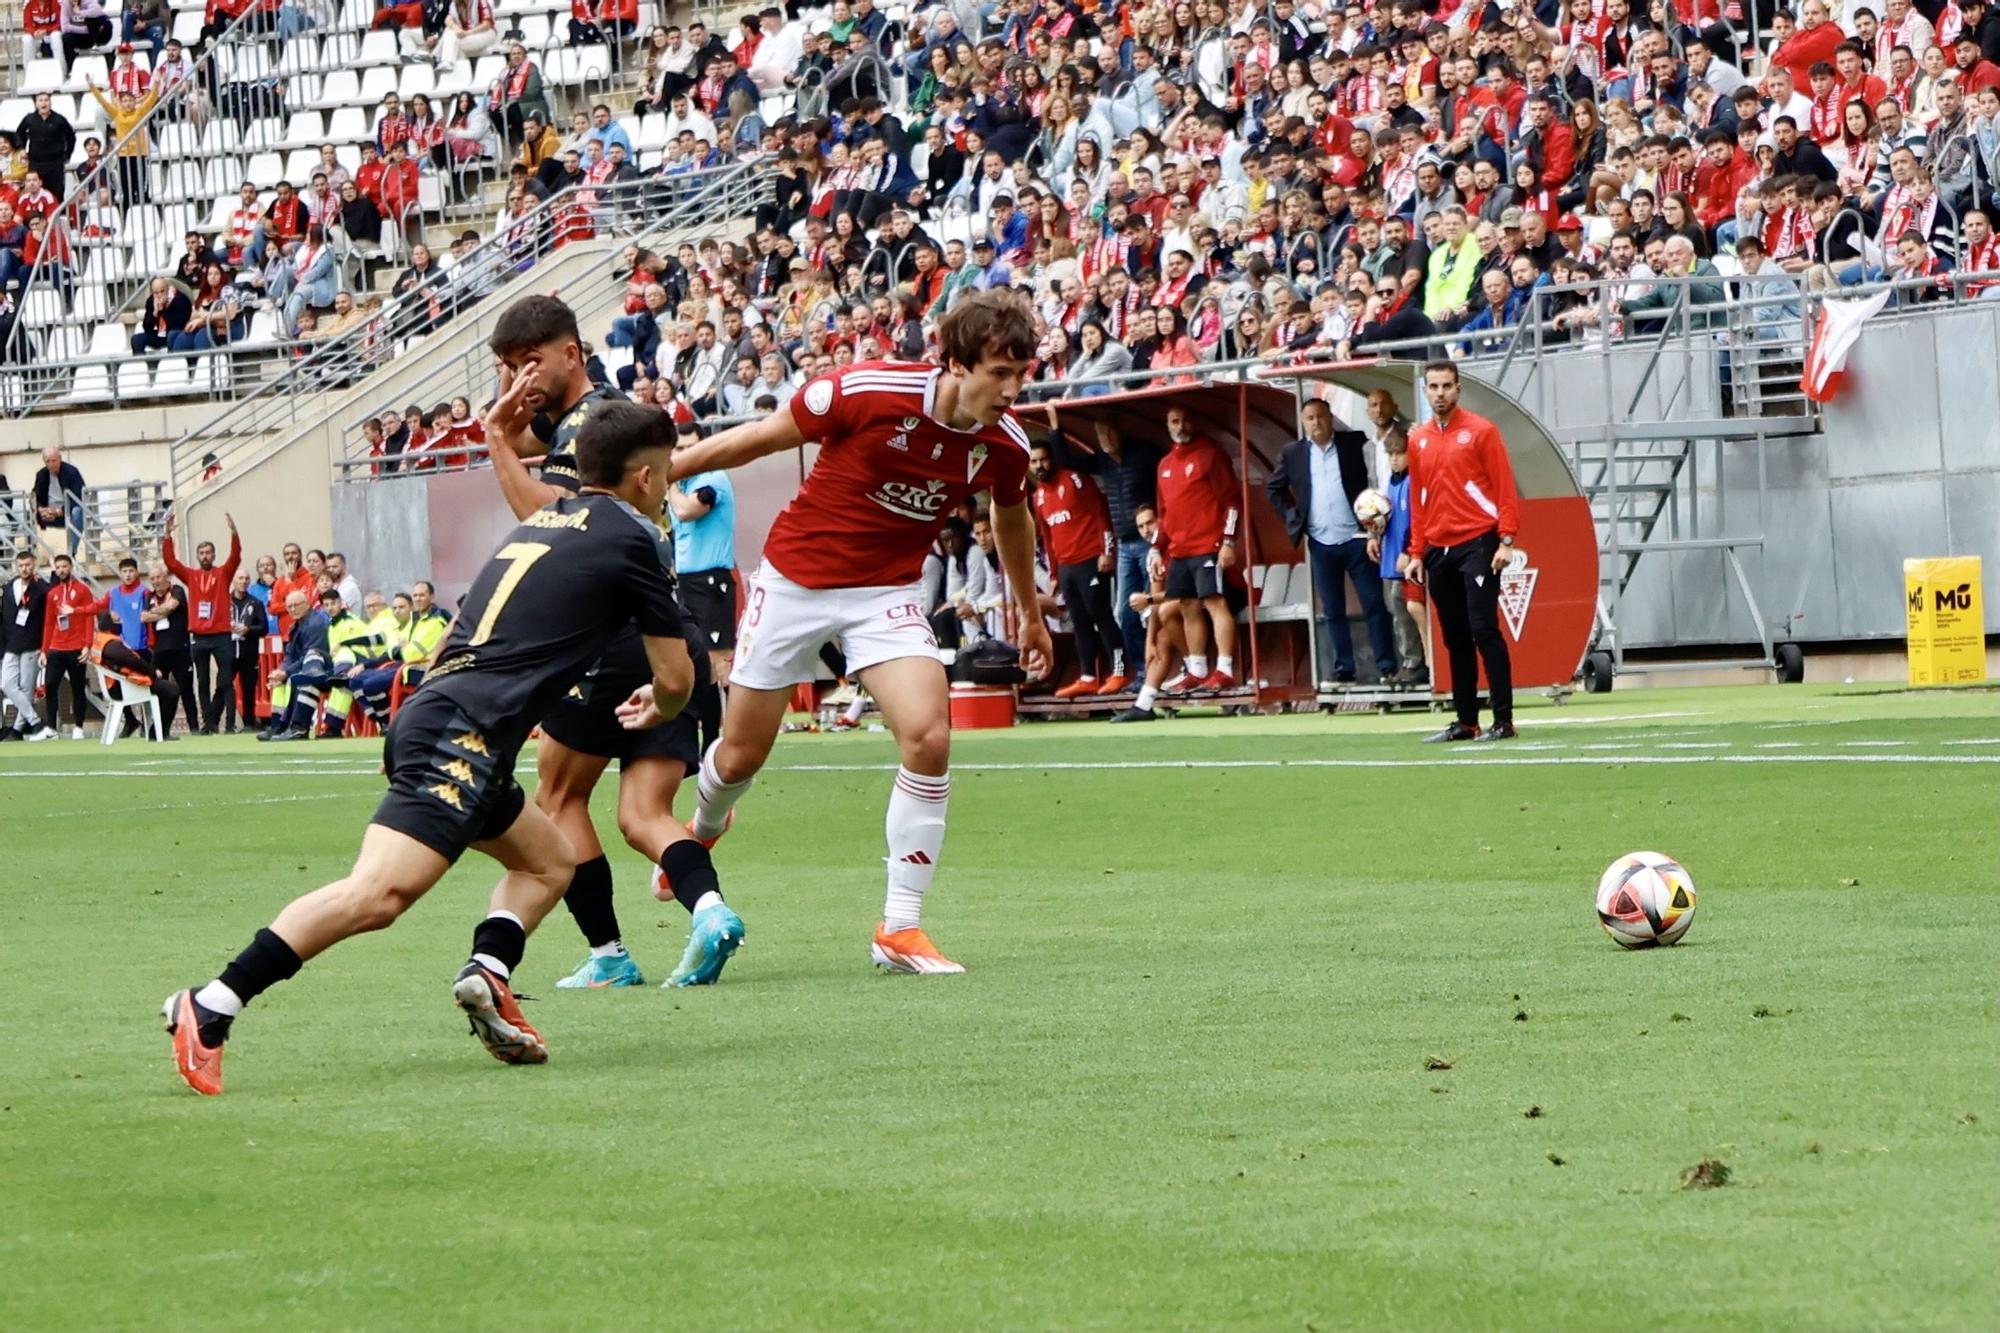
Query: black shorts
{"points": [[1194, 576], [710, 598], [586, 720], [449, 786]]}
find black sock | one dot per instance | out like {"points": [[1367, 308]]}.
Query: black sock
{"points": [[501, 939], [589, 901], [268, 961], [690, 872]]}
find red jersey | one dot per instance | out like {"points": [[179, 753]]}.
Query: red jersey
{"points": [[887, 477], [1074, 517], [1197, 499], [1461, 484]]}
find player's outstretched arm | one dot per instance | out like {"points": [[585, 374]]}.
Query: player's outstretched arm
{"points": [[739, 445], [673, 685], [1014, 535]]}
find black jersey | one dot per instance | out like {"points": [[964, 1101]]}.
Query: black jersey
{"points": [[559, 434], [571, 579]]}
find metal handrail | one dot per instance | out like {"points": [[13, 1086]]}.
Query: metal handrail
{"points": [[461, 371], [286, 400], [200, 73]]}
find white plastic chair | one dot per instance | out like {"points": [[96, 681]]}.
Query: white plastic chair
{"points": [[127, 697]]}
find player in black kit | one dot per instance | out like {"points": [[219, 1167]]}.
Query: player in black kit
{"points": [[537, 618], [545, 398]]}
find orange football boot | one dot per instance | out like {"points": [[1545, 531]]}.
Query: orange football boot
{"points": [[1077, 688], [495, 1015], [199, 1066], [910, 950], [1113, 684]]}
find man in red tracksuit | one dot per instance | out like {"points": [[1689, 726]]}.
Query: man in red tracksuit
{"points": [[1075, 523], [1197, 498], [209, 627], [1464, 513], [68, 627]]}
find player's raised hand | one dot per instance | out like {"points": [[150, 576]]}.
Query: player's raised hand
{"points": [[639, 712], [510, 418]]}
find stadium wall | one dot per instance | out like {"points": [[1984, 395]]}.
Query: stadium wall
{"points": [[1907, 466]]}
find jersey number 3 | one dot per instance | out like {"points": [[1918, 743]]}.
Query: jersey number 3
{"points": [[520, 556]]}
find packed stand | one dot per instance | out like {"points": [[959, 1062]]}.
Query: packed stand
{"points": [[243, 202]]}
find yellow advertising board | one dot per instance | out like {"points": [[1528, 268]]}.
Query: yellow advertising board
{"points": [[1947, 635]]}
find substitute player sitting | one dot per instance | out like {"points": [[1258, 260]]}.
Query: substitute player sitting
{"points": [[901, 445], [537, 617]]}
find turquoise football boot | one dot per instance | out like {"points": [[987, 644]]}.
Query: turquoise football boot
{"points": [[598, 973], [716, 934]]}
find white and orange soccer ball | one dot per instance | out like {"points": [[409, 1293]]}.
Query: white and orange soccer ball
{"points": [[1646, 899], [1370, 508]]}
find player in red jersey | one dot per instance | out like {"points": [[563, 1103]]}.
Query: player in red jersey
{"points": [[900, 446], [1198, 495]]}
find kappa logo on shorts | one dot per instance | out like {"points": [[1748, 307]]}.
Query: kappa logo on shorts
{"points": [[472, 743], [449, 794], [459, 771]]}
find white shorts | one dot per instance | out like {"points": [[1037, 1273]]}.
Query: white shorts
{"points": [[785, 624]]}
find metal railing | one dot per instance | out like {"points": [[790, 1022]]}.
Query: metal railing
{"points": [[126, 519], [56, 279], [642, 211], [240, 116]]}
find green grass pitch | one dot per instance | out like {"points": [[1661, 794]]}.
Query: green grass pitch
{"points": [[1187, 1082]]}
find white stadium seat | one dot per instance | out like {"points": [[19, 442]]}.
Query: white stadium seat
{"points": [[41, 76], [134, 380], [342, 88], [306, 129], [377, 48]]}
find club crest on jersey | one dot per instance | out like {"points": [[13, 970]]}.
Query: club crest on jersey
{"points": [[911, 423], [974, 460], [910, 500]]}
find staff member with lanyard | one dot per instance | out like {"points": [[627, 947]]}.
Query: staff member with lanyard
{"points": [[1464, 513]]}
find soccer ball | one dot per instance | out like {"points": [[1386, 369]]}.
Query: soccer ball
{"points": [[1370, 508], [1645, 899]]}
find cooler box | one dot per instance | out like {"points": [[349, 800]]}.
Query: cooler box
{"points": [[977, 707]]}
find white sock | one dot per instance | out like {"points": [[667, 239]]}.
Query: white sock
{"points": [[493, 965], [916, 838], [1146, 696], [716, 797], [1226, 665], [856, 707], [1195, 666], [219, 999], [1088, 680], [708, 899], [611, 950]]}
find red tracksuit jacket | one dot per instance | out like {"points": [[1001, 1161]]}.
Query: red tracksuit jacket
{"points": [[1461, 485], [1197, 497], [208, 589], [72, 617]]}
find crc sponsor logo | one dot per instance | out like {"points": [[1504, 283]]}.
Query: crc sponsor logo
{"points": [[907, 611], [910, 500]]}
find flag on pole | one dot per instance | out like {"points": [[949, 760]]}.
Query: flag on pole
{"points": [[1834, 336]]}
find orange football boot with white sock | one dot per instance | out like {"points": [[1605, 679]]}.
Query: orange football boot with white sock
{"points": [[1077, 688], [910, 950], [198, 1064], [728, 822]]}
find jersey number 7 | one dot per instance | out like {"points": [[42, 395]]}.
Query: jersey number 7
{"points": [[520, 557]]}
